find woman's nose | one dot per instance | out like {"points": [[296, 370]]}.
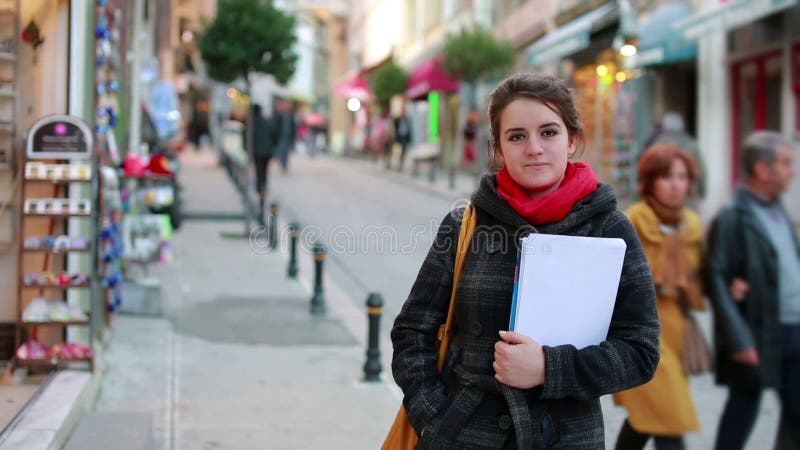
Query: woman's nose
{"points": [[534, 147]]}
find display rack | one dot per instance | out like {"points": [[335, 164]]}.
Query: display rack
{"points": [[50, 169]]}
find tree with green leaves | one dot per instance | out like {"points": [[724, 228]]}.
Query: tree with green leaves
{"points": [[388, 81], [472, 55], [249, 36]]}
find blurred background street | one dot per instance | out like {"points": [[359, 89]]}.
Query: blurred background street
{"points": [[154, 156]]}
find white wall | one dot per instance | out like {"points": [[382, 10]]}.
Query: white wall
{"points": [[303, 80], [382, 31]]}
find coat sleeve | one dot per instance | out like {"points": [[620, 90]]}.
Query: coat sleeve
{"points": [[722, 260], [629, 355], [415, 328]]}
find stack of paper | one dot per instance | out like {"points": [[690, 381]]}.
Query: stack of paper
{"points": [[565, 288]]}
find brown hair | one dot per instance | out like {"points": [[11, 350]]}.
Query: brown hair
{"points": [[551, 91], [656, 162]]}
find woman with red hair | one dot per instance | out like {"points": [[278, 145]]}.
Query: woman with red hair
{"points": [[672, 237]]}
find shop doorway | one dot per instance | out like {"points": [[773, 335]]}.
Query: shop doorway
{"points": [[757, 99]]}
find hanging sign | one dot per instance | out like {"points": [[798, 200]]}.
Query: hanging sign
{"points": [[59, 137]]}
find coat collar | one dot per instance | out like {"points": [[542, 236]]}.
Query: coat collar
{"points": [[647, 224], [743, 203]]}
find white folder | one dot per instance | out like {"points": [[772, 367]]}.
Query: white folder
{"points": [[566, 288]]}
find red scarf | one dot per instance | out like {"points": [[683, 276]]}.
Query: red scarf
{"points": [[579, 181]]}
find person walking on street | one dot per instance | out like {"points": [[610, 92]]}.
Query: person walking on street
{"points": [[263, 150], [286, 132], [673, 131], [672, 236], [402, 135], [501, 389], [753, 244]]}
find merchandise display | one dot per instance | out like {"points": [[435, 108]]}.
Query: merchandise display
{"points": [[35, 170], [33, 350], [41, 309], [46, 206], [57, 244], [51, 279], [49, 234]]}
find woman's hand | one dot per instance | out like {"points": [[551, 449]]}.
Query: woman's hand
{"points": [[739, 289], [518, 361]]}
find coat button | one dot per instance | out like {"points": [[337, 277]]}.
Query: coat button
{"points": [[476, 328], [504, 422]]}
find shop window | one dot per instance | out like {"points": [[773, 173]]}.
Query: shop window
{"points": [[757, 99]]}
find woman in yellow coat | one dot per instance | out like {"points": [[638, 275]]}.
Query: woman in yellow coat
{"points": [[672, 237]]}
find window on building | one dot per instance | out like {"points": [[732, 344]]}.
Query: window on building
{"points": [[433, 12], [410, 14]]}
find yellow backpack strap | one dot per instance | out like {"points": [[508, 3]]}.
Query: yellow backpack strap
{"points": [[468, 223]]}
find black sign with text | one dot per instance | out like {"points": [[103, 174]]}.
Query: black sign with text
{"points": [[59, 137]]}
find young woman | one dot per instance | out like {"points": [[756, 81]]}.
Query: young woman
{"points": [[501, 389], [672, 237]]}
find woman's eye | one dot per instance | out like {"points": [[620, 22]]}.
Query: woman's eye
{"points": [[516, 137], [549, 133]]}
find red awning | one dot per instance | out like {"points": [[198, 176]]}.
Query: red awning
{"points": [[354, 86], [428, 77]]}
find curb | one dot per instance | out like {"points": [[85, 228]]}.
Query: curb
{"points": [[47, 422]]}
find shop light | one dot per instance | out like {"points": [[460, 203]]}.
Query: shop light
{"points": [[433, 117], [232, 93], [353, 104], [187, 36], [627, 50], [621, 77], [602, 70]]}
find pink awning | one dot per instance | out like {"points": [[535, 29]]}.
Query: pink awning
{"points": [[355, 86], [428, 77]]}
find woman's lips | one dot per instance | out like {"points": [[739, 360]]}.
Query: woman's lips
{"points": [[537, 165]]}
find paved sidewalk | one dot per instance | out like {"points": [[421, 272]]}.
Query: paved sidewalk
{"points": [[237, 362]]}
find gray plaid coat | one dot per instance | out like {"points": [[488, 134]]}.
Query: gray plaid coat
{"points": [[465, 407]]}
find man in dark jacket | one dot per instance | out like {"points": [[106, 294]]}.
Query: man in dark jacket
{"points": [[285, 131], [402, 135], [753, 244], [263, 150]]}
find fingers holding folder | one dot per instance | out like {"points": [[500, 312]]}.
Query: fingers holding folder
{"points": [[518, 361]]}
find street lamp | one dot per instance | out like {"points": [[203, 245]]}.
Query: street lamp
{"points": [[627, 50], [353, 104]]}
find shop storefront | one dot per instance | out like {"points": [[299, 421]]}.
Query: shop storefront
{"points": [[629, 70], [586, 52], [761, 40]]}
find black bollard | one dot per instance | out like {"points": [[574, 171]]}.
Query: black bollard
{"points": [[273, 226], [318, 299], [294, 233], [372, 368]]}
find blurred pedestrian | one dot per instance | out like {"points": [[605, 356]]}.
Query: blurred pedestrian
{"points": [[501, 389], [753, 244], [673, 131], [381, 138], [470, 133], [263, 150], [402, 135], [286, 131], [672, 237]]}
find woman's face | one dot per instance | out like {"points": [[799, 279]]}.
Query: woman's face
{"points": [[673, 189], [534, 145]]}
